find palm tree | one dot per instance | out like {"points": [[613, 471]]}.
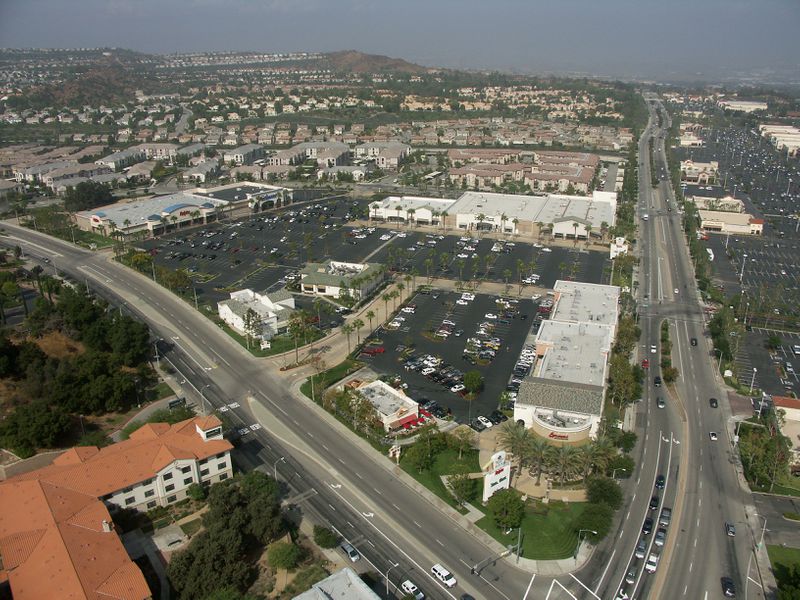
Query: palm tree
{"points": [[588, 232], [539, 227], [410, 281], [398, 208], [515, 439], [410, 216], [386, 297], [374, 206], [444, 220], [428, 266], [538, 452], [552, 228], [603, 230], [370, 315], [503, 219], [394, 294], [575, 228], [480, 218], [358, 324], [564, 459], [515, 221], [400, 288], [347, 329]]}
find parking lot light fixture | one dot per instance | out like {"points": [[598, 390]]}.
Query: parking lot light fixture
{"points": [[387, 576], [275, 466]]}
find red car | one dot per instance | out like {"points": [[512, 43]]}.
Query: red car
{"points": [[374, 350], [645, 363]]}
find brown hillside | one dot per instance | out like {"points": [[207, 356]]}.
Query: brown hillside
{"points": [[358, 62]]}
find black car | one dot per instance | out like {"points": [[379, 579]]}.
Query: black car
{"points": [[660, 480], [477, 425], [647, 528], [524, 317], [497, 417], [654, 502], [713, 402], [657, 381], [694, 341], [728, 587]]}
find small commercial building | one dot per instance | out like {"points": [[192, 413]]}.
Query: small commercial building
{"points": [[394, 408], [712, 198], [700, 173], [344, 584], [416, 209], [271, 312], [339, 279], [731, 223]]}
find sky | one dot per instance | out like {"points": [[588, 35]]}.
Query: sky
{"points": [[620, 38]]}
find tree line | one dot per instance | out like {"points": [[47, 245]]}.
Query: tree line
{"points": [[109, 376]]}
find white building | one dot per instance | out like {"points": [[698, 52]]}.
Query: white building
{"points": [[702, 173], [154, 467], [746, 106], [730, 223], [244, 155], [272, 311], [387, 155], [562, 399], [393, 407], [338, 279], [117, 160]]}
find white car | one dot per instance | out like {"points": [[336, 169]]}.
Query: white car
{"points": [[490, 316], [408, 309], [428, 371], [462, 255], [462, 302], [468, 296], [676, 291], [443, 575], [653, 349], [351, 552], [410, 589], [448, 322], [459, 387], [484, 421], [546, 250], [652, 563], [712, 435]]}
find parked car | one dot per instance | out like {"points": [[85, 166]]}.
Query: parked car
{"points": [[728, 587], [654, 501], [666, 517], [660, 481], [661, 536], [730, 529], [647, 527], [484, 421], [410, 589], [713, 402]]}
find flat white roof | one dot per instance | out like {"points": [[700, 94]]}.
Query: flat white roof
{"points": [[577, 352], [386, 400], [586, 302], [415, 202], [140, 210]]}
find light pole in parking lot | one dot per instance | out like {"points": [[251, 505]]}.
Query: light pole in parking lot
{"points": [[753, 379], [387, 576], [741, 272]]}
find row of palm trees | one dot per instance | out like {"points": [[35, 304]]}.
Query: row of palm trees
{"points": [[566, 463]]}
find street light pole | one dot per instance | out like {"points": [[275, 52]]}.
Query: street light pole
{"points": [[203, 398], [275, 466], [741, 272], [387, 577], [763, 530], [614, 472], [580, 540]]}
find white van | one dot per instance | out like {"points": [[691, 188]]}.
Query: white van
{"points": [[443, 575]]}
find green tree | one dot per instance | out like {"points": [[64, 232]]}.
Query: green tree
{"points": [[604, 490], [325, 538], [507, 508], [595, 517], [284, 555], [196, 492], [473, 381], [462, 487], [462, 439], [516, 440], [418, 457]]}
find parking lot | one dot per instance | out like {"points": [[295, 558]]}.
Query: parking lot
{"points": [[261, 251], [504, 333]]}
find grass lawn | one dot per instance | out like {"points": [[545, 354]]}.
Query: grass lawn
{"points": [[192, 527], [446, 463], [546, 529], [329, 377], [782, 559], [162, 390], [278, 345]]}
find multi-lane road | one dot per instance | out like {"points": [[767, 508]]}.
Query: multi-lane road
{"points": [[337, 478]]}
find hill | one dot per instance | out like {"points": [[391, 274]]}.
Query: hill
{"points": [[358, 62]]}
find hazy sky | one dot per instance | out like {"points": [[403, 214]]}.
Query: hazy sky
{"points": [[604, 37]]}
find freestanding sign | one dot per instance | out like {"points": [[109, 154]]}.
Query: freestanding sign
{"points": [[498, 477]]}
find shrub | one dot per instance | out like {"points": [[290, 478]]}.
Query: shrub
{"points": [[196, 492], [284, 555]]}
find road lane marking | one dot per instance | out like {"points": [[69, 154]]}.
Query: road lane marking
{"points": [[331, 505], [439, 542], [603, 576], [530, 583], [417, 524]]}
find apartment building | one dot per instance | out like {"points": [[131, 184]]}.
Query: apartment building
{"points": [[57, 538], [387, 155], [155, 151], [326, 154], [244, 155], [118, 160]]}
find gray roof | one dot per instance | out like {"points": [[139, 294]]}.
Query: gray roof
{"points": [[342, 585], [319, 274], [562, 395], [279, 295]]}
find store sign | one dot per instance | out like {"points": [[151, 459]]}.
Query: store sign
{"points": [[496, 480], [558, 436]]}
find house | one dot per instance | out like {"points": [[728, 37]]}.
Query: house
{"points": [[340, 279], [272, 312]]}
